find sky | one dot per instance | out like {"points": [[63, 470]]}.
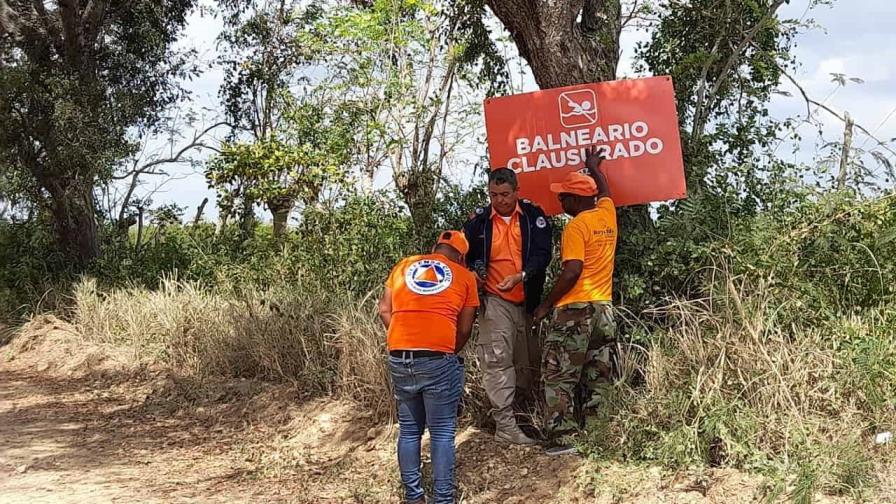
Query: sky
{"points": [[855, 38]]}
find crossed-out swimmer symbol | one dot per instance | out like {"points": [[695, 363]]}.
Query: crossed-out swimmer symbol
{"points": [[577, 108]]}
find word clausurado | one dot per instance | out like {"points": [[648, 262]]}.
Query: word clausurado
{"points": [[543, 136]]}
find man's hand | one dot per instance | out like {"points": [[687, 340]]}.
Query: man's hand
{"points": [[541, 312], [510, 282], [593, 159]]}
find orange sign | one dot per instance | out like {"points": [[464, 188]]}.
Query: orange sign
{"points": [[542, 136]]}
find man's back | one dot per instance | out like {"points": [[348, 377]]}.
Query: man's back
{"points": [[428, 293]]}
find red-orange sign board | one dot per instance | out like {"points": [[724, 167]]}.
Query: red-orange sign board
{"points": [[543, 135]]}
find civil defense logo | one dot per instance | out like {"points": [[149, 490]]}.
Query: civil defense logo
{"points": [[578, 108], [428, 276]]}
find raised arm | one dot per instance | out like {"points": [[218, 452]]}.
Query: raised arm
{"points": [[593, 162]]}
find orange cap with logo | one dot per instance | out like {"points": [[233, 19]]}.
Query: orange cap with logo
{"points": [[576, 183], [455, 239]]}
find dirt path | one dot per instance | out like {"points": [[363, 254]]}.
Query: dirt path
{"points": [[77, 441], [70, 439], [119, 439]]}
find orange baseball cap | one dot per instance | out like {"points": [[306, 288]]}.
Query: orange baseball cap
{"points": [[576, 183], [455, 239]]}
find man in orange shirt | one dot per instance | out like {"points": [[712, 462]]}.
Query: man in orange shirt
{"points": [[578, 362], [510, 249], [428, 307]]}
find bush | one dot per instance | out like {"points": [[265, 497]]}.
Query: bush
{"points": [[784, 364]]}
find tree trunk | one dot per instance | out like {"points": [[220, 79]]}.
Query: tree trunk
{"points": [[844, 153], [138, 242], [280, 209], [418, 191], [564, 42], [247, 219], [198, 219], [74, 218]]}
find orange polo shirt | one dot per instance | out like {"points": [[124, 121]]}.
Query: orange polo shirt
{"points": [[428, 293], [506, 256], [590, 237]]}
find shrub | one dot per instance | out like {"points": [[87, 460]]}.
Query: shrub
{"points": [[784, 364]]}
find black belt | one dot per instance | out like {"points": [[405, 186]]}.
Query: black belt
{"points": [[416, 354]]}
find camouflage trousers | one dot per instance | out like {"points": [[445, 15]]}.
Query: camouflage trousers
{"points": [[577, 365]]}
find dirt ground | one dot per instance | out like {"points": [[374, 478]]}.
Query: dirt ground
{"points": [[102, 431]]}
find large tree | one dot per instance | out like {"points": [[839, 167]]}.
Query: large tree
{"points": [[77, 78], [564, 42], [577, 42], [290, 166], [264, 72]]}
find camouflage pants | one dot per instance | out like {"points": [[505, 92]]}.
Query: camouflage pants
{"points": [[577, 367]]}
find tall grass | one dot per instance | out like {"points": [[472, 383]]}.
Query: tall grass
{"points": [[731, 381], [286, 333], [780, 356]]}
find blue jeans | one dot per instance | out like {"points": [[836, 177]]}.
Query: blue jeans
{"points": [[427, 390]]}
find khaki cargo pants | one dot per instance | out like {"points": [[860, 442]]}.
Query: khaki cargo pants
{"points": [[508, 356]]}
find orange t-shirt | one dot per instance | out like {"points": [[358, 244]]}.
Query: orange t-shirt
{"points": [[590, 237], [506, 257], [428, 293]]}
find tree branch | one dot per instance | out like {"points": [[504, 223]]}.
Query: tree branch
{"points": [[71, 21], [92, 19], [9, 19], [175, 158], [736, 54], [843, 118]]}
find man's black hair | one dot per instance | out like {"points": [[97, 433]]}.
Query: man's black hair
{"points": [[500, 176]]}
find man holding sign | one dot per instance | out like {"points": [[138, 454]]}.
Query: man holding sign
{"points": [[577, 364]]}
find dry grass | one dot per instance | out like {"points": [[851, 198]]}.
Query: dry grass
{"points": [[362, 373], [280, 334], [728, 383], [322, 342]]}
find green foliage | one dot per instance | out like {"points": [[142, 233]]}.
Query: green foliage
{"points": [[402, 70], [281, 170], [261, 61], [349, 246], [477, 52], [726, 59], [71, 99], [356, 245], [779, 357], [30, 266]]}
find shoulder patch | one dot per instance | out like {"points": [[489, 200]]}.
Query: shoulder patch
{"points": [[480, 211], [530, 202], [541, 223]]}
